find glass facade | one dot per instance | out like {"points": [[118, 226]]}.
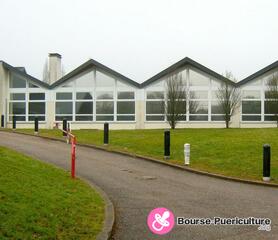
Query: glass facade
{"points": [[17, 81], [196, 104], [257, 104], [155, 106], [96, 96], [36, 106], [26, 100], [125, 106], [84, 106], [203, 103]]}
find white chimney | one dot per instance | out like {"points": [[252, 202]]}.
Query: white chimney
{"points": [[55, 67]]}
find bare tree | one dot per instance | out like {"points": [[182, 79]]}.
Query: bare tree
{"points": [[176, 95], [45, 73], [271, 96], [228, 98], [193, 105]]}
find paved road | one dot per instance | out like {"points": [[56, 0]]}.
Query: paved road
{"points": [[136, 186]]}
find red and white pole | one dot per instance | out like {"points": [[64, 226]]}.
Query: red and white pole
{"points": [[73, 156]]}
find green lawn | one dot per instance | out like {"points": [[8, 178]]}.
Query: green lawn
{"points": [[231, 152], [39, 201]]}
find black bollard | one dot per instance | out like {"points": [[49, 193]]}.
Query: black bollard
{"points": [[106, 134], [36, 125], [266, 163], [65, 127], [2, 121], [14, 122], [166, 144]]}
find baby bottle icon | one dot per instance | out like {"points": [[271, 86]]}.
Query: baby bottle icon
{"points": [[161, 221]]}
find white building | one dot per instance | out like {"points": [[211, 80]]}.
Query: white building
{"points": [[93, 94]]}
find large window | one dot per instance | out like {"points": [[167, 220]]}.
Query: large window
{"points": [[85, 80], [84, 106], [104, 80], [64, 106], [251, 105], [17, 81], [198, 96], [17, 103], [36, 106], [270, 107], [198, 106], [197, 79], [17, 106], [96, 96], [125, 106], [216, 110], [196, 102], [155, 106], [105, 106]]}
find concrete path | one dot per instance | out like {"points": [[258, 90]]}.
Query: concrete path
{"points": [[137, 186]]}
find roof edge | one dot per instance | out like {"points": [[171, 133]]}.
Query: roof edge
{"points": [[73, 73], [24, 74], [183, 62], [258, 73], [88, 64]]}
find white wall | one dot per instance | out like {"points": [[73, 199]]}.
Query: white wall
{"points": [[4, 77]]}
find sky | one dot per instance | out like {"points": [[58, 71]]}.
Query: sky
{"points": [[140, 38]]}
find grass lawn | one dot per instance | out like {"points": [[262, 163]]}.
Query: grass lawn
{"points": [[39, 201], [231, 152]]}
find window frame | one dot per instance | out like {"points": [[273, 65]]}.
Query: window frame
{"points": [[64, 90], [126, 100], [154, 100], [37, 101], [76, 100], [26, 91], [260, 99]]}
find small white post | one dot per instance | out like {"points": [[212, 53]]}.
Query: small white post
{"points": [[68, 139], [186, 154]]}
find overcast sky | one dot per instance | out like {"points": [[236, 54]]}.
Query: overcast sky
{"points": [[140, 38]]}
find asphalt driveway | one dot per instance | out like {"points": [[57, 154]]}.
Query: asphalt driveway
{"points": [[137, 186]]}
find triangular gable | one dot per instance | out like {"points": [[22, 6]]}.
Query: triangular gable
{"points": [[184, 62], [25, 75], [258, 73], [89, 64]]}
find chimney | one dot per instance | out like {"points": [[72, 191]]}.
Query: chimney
{"points": [[55, 67]]}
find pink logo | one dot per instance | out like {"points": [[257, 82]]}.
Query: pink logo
{"points": [[161, 221]]}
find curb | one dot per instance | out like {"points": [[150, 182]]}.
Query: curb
{"points": [[150, 159], [180, 167], [109, 219]]}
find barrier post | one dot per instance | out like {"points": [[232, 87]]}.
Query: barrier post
{"points": [[14, 122], [36, 125], [266, 162], [2, 121], [166, 144], [186, 154], [64, 127], [106, 134], [73, 155]]}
